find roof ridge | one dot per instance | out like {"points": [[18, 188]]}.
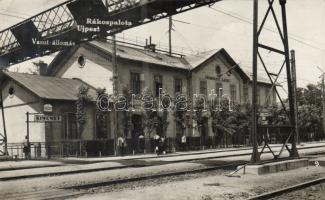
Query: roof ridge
{"points": [[135, 48], [82, 81], [41, 76], [149, 57], [60, 88]]}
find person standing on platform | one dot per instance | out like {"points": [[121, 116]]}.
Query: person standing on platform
{"points": [[183, 142], [26, 148], [156, 139], [121, 144]]}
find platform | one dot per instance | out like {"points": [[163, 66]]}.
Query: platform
{"points": [[273, 167], [5, 158]]}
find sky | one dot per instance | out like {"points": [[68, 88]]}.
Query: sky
{"points": [[227, 24]]}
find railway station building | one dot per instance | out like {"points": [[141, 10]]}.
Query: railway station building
{"points": [[44, 106]]}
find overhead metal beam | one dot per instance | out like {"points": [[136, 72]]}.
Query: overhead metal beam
{"points": [[271, 49], [61, 22]]}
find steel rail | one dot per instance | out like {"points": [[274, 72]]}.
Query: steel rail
{"points": [[78, 190], [73, 191], [288, 189], [147, 165]]}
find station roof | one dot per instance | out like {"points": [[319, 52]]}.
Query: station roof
{"points": [[187, 62], [142, 55], [51, 88]]}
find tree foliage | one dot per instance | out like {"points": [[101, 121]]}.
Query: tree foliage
{"points": [[199, 113], [180, 111], [126, 115], [229, 120], [310, 107], [83, 98], [150, 112], [311, 95], [309, 117]]}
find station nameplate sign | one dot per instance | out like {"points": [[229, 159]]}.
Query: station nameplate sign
{"points": [[47, 118], [48, 108], [265, 114], [217, 79]]}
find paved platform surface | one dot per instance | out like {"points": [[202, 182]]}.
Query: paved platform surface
{"points": [[25, 164], [208, 151]]}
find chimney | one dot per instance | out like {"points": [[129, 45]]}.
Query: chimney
{"points": [[150, 46], [42, 68]]}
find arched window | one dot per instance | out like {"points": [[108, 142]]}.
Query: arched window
{"points": [[11, 91], [218, 70], [81, 61]]}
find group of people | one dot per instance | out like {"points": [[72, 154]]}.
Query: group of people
{"points": [[159, 141], [160, 145], [121, 144]]}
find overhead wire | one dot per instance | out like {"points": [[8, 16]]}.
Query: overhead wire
{"points": [[236, 16], [267, 28]]}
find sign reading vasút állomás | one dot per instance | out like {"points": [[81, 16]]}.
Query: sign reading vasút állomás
{"points": [[47, 118]]}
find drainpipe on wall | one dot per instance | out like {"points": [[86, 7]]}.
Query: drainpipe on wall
{"points": [[190, 100], [4, 125]]}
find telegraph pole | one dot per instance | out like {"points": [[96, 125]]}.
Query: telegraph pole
{"points": [[4, 125], [115, 88], [323, 101], [294, 85], [294, 152], [170, 34], [256, 155], [323, 97], [115, 91]]}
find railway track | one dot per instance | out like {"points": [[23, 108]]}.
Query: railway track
{"points": [[277, 193], [28, 176], [43, 195], [142, 164], [78, 190]]}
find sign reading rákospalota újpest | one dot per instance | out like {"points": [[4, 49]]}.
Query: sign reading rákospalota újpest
{"points": [[96, 25], [47, 118]]}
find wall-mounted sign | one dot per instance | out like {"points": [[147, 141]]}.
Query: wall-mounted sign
{"points": [[55, 43], [48, 108], [265, 123], [217, 79], [265, 114], [47, 118]]}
